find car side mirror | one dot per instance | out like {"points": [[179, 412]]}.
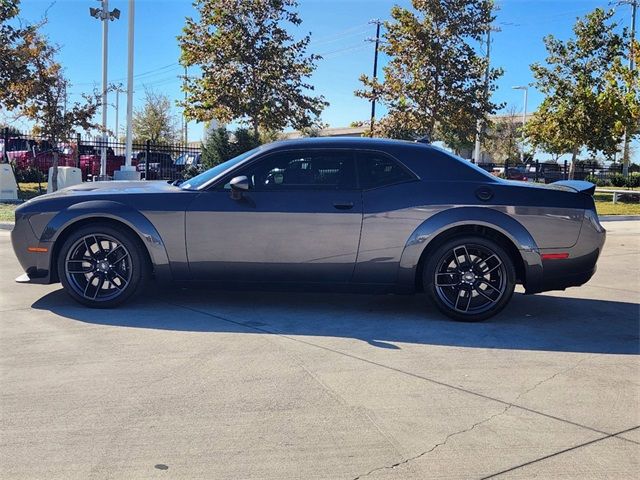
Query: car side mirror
{"points": [[238, 186]]}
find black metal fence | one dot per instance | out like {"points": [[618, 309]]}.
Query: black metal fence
{"points": [[549, 172], [32, 156]]}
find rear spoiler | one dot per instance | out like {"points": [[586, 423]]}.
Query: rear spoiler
{"points": [[578, 186]]}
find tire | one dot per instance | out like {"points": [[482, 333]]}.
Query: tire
{"points": [[469, 278], [102, 266]]}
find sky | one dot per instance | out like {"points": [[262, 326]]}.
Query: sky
{"points": [[339, 31]]}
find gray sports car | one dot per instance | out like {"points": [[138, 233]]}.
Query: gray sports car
{"points": [[382, 214]]}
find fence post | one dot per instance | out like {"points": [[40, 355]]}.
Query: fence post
{"points": [[78, 142], [5, 155], [506, 168], [147, 159], [564, 171], [537, 170]]}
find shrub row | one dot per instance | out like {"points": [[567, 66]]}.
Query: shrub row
{"points": [[616, 180]]}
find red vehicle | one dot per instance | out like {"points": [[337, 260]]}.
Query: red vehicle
{"points": [[27, 153], [517, 173], [90, 162]]}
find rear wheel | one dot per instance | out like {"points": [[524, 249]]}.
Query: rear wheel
{"points": [[469, 278], [102, 266]]}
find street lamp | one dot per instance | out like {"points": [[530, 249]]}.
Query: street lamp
{"points": [[524, 116], [105, 16]]}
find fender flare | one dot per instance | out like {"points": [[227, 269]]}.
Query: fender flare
{"points": [[461, 216], [108, 209]]}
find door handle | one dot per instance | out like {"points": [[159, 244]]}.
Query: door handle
{"points": [[343, 205]]}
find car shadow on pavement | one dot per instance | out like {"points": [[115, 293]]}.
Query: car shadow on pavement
{"points": [[538, 322]]}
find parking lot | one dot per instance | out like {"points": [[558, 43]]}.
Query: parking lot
{"points": [[193, 383]]}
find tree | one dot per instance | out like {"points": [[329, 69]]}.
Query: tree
{"points": [[253, 71], [34, 86], [155, 121], [220, 146], [585, 103], [435, 83], [502, 142], [15, 55]]}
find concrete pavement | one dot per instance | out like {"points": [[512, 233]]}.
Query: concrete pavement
{"points": [[191, 383]]}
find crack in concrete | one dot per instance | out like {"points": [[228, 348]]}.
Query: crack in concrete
{"points": [[440, 444], [488, 419]]}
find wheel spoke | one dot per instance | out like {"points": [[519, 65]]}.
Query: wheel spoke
{"points": [[124, 255], [100, 247], [79, 269], [447, 279], [484, 282], [459, 305], [481, 292], [465, 254]]}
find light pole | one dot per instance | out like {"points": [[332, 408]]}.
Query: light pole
{"points": [[105, 16], [118, 90], [377, 23], [524, 116]]}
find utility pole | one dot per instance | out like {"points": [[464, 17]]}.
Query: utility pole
{"points": [[479, 123], [105, 16], [186, 122], [377, 23], [626, 137], [524, 116]]}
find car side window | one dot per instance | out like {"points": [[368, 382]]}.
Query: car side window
{"points": [[379, 170], [302, 170]]}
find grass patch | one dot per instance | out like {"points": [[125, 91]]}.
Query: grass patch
{"points": [[607, 207], [6, 212], [29, 190]]}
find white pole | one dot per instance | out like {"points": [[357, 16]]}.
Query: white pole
{"points": [[117, 113], [524, 122], [130, 86], [105, 40]]}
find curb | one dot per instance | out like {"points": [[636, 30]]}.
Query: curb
{"points": [[6, 226]]}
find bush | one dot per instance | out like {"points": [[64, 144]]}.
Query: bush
{"points": [[633, 181], [618, 180], [29, 175], [597, 181]]}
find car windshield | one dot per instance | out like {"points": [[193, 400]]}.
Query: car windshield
{"points": [[205, 177]]}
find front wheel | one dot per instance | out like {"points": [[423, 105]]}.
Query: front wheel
{"points": [[469, 278], [102, 266]]}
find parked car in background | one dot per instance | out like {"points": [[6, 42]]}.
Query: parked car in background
{"points": [[550, 172], [387, 215], [161, 165], [90, 162], [517, 173]]}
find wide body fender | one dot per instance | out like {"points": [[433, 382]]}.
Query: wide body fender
{"points": [[445, 220], [125, 214]]}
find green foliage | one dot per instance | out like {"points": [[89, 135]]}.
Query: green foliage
{"points": [[220, 146], [155, 121], [29, 175], [434, 83], [597, 181], [633, 180], [618, 180], [589, 96], [253, 70], [503, 139], [16, 56]]}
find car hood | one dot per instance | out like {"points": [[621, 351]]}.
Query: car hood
{"points": [[89, 189]]}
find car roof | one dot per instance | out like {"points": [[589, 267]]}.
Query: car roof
{"points": [[343, 142]]}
